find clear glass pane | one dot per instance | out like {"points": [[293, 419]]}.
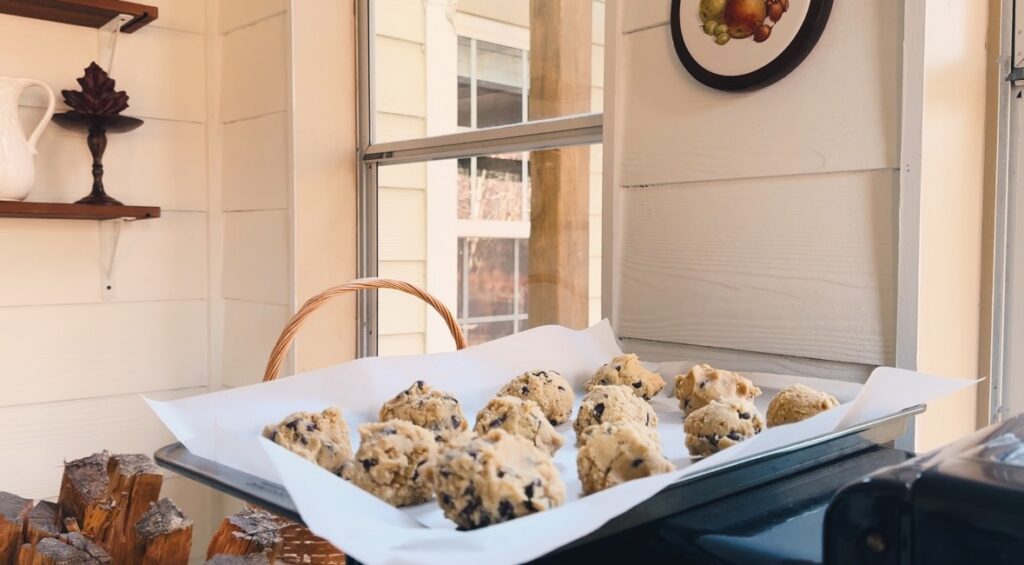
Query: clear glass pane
{"points": [[439, 68], [462, 229]]}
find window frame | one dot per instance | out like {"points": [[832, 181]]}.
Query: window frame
{"points": [[583, 129]]}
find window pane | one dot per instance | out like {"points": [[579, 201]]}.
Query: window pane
{"points": [[462, 229], [474, 64], [492, 188]]}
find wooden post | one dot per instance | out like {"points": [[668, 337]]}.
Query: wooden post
{"points": [[52, 551], [560, 58], [164, 536], [13, 510]]}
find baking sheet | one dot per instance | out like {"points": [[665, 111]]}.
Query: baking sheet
{"points": [[225, 427]]}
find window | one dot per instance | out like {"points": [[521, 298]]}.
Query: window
{"points": [[456, 159]]}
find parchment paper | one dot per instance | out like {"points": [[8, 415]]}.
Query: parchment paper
{"points": [[225, 427]]}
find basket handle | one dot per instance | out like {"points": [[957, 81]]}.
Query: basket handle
{"points": [[292, 327]]}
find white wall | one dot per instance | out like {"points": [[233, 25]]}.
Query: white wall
{"points": [[759, 226], [74, 363], [759, 230]]}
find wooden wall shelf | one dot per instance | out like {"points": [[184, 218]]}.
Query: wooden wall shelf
{"points": [[88, 13], [46, 210]]}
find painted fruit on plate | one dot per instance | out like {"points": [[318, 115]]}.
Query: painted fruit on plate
{"points": [[740, 19], [743, 16]]}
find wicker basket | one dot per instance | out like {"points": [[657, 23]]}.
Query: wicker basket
{"points": [[300, 545]]}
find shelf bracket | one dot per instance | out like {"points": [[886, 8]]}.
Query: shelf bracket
{"points": [[110, 235], [108, 40]]}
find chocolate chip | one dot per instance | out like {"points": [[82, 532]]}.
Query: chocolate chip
{"points": [[496, 422], [604, 381], [530, 506], [369, 463], [525, 390], [389, 431], [444, 472], [744, 415], [599, 410], [686, 404], [528, 490], [636, 463], [560, 387], [713, 439], [501, 473], [506, 510], [735, 436], [303, 440], [446, 499], [419, 384], [703, 384], [311, 427], [456, 421], [638, 384], [473, 453], [292, 425], [484, 520]]}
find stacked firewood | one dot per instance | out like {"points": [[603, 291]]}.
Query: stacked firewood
{"points": [[257, 537], [109, 511]]}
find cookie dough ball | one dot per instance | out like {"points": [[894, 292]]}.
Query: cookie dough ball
{"points": [[612, 403], [705, 383], [548, 389], [519, 417], [798, 402], [494, 478], [390, 462], [616, 452], [321, 437], [432, 409], [629, 371], [721, 424]]}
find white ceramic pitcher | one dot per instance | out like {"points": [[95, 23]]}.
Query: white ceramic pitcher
{"points": [[17, 167]]}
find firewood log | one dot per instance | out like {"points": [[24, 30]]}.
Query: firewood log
{"points": [[249, 531], [164, 535], [83, 494], [13, 510], [251, 559], [134, 483], [41, 522], [52, 551], [81, 543]]}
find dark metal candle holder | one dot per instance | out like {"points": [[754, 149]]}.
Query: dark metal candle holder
{"points": [[97, 127], [96, 110]]}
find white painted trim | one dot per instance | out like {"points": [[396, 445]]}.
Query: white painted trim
{"points": [[441, 45], [909, 221], [612, 140], [1008, 120], [491, 31]]}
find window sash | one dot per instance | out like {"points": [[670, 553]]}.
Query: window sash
{"points": [[568, 131]]}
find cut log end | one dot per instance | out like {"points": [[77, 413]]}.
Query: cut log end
{"points": [[251, 559], [165, 534], [42, 522], [13, 510], [249, 531], [52, 551]]}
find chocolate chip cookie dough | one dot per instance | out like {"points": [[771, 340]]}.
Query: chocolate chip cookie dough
{"points": [[616, 452], [612, 403], [721, 424], [321, 437], [548, 389], [705, 383], [629, 371], [798, 402], [432, 409], [390, 462], [519, 417], [494, 478]]}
